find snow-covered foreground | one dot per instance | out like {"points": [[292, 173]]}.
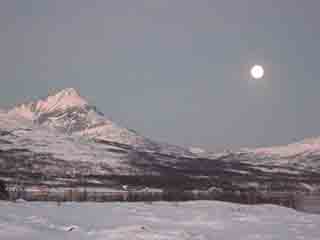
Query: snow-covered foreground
{"points": [[189, 220]]}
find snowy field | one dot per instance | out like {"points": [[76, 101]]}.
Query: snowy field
{"points": [[188, 220]]}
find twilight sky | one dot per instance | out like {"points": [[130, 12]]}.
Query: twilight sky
{"points": [[174, 70]]}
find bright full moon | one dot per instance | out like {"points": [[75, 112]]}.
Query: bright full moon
{"points": [[257, 71]]}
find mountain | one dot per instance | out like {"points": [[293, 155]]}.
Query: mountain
{"points": [[60, 139], [66, 111]]}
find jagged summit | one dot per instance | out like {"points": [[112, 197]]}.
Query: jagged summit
{"points": [[68, 92], [68, 112], [58, 101]]}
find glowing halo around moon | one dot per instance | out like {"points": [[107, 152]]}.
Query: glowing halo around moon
{"points": [[257, 72]]}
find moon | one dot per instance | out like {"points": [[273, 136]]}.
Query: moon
{"points": [[257, 71]]}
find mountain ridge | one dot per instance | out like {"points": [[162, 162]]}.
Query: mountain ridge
{"points": [[67, 111], [63, 136]]}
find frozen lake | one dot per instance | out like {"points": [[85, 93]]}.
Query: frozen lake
{"points": [[160, 220]]}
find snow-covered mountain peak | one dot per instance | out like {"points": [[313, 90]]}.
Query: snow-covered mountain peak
{"points": [[59, 101], [67, 112], [64, 99]]}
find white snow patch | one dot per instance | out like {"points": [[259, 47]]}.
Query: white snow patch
{"points": [[188, 220]]}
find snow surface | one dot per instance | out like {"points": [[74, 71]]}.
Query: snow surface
{"points": [[188, 220]]}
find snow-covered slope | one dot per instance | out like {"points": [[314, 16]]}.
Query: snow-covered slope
{"points": [[299, 155], [169, 221], [52, 152], [307, 146]]}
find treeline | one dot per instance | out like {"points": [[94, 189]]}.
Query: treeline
{"points": [[4, 194], [245, 197]]}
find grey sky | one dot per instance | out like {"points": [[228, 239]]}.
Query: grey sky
{"points": [[175, 70]]}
